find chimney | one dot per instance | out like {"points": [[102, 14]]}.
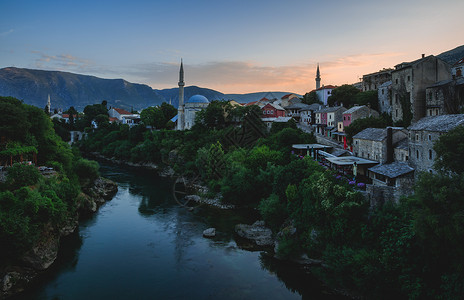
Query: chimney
{"points": [[389, 145], [423, 55]]}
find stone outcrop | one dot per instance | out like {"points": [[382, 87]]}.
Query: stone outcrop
{"points": [[257, 232], [209, 233], [14, 279]]}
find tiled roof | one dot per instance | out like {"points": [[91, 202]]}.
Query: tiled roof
{"points": [[251, 103], [442, 123], [286, 96], [276, 106], [372, 134], [297, 106], [122, 111], [459, 81], [392, 170], [326, 87], [314, 107], [112, 119], [331, 109], [353, 109], [403, 144]]}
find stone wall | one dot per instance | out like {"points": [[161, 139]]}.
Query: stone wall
{"points": [[421, 153]]}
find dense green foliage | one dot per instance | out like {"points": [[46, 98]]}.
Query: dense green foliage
{"points": [[29, 201], [450, 149], [159, 116], [412, 249], [343, 95], [310, 98]]}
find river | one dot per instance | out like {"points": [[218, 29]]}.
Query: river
{"points": [[143, 245]]}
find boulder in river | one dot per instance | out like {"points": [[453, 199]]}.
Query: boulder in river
{"points": [[209, 233], [257, 232]]}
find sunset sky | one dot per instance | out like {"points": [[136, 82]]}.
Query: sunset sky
{"points": [[230, 46]]}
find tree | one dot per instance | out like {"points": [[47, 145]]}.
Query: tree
{"points": [[153, 116], [216, 115], [450, 151], [344, 95], [369, 98], [168, 110], [14, 124], [311, 98], [91, 111]]}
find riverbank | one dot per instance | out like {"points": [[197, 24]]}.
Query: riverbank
{"points": [[17, 275]]}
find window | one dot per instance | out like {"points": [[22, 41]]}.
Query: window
{"points": [[409, 78], [430, 137], [396, 81], [458, 72], [430, 154], [383, 91], [356, 142], [417, 154], [344, 118], [417, 137], [396, 112], [396, 99]]}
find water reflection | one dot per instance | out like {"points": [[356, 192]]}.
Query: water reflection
{"points": [[142, 245]]}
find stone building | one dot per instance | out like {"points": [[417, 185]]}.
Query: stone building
{"points": [[385, 97], [358, 112], [401, 150], [371, 82], [445, 97], [390, 182], [458, 68], [423, 135], [377, 143], [409, 81]]}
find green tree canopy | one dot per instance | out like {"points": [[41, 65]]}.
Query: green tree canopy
{"points": [[344, 94], [310, 98], [450, 151], [369, 98]]}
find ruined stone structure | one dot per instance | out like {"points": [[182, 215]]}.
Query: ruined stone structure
{"points": [[409, 81], [385, 98], [371, 82], [445, 97]]}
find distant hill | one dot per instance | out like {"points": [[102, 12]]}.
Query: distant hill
{"points": [[69, 89], [452, 56], [245, 98], [173, 94]]}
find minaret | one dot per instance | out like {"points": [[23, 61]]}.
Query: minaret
{"points": [[180, 109], [318, 78], [49, 105]]}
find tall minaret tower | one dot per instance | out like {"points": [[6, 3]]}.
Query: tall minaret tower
{"points": [[49, 105], [180, 109], [318, 78]]}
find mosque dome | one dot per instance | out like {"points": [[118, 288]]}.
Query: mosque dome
{"points": [[197, 99]]}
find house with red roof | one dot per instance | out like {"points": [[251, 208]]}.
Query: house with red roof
{"points": [[123, 116], [272, 110]]}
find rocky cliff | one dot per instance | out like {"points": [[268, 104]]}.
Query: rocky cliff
{"points": [[15, 278]]}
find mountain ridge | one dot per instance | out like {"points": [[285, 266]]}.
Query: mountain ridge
{"points": [[68, 89]]}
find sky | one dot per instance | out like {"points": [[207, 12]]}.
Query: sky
{"points": [[230, 46]]}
